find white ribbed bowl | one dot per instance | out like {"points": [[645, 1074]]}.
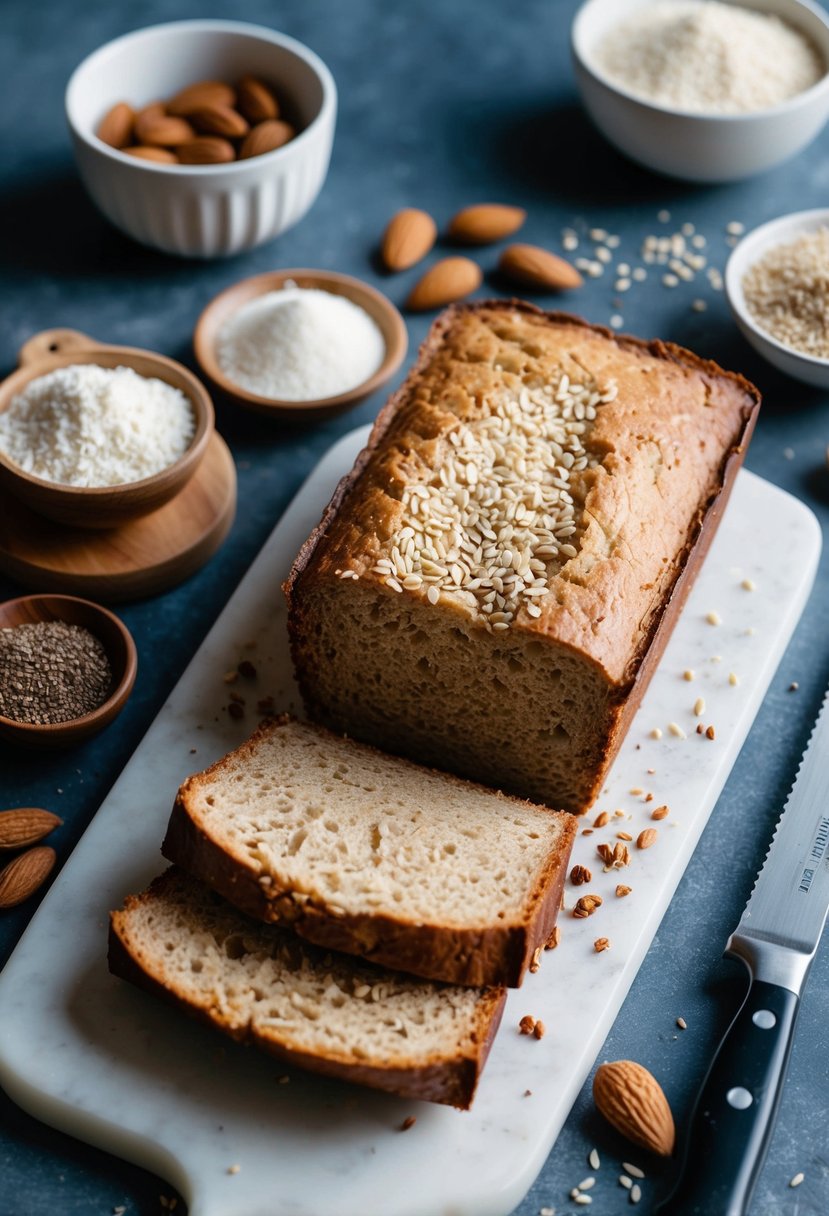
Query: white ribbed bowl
{"points": [[196, 210], [692, 146]]}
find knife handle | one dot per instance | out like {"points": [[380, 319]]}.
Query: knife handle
{"points": [[736, 1107]]}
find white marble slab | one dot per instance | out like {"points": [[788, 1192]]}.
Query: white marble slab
{"points": [[95, 1057]]}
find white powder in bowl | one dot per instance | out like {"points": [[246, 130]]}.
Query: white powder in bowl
{"points": [[300, 344], [706, 57], [86, 425]]}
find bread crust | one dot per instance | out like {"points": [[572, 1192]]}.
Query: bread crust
{"points": [[593, 620], [450, 1081], [491, 955]]}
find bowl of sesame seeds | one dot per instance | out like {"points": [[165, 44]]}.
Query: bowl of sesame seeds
{"points": [[67, 667], [777, 285]]}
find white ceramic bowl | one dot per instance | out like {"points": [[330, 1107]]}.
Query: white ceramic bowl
{"points": [[700, 147], [751, 247], [196, 210]]}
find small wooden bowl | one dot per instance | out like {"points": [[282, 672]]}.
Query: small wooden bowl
{"points": [[381, 310], [116, 641], [103, 506]]}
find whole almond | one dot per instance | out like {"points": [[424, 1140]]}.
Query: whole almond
{"points": [[409, 236], [115, 128], [25, 826], [632, 1100], [448, 280], [645, 839], [197, 96], [256, 101], [485, 223], [22, 876], [266, 137], [206, 150], [219, 120], [162, 156], [535, 267], [162, 130]]}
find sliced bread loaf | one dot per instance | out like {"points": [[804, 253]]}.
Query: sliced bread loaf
{"points": [[366, 853], [260, 984]]}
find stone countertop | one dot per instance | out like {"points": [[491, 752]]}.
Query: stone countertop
{"points": [[440, 105]]}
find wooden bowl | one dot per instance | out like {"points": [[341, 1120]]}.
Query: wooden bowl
{"points": [[382, 311], [116, 641], [103, 506]]}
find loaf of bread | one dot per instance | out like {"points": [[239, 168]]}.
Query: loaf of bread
{"points": [[365, 853], [491, 587], [333, 1015]]}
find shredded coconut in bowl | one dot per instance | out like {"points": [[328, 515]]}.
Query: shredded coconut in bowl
{"points": [[706, 57], [300, 344], [86, 425]]}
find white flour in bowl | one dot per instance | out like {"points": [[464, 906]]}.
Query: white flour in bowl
{"points": [[706, 57], [300, 344], [86, 425]]}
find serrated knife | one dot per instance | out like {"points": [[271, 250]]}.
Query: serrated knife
{"points": [[777, 939]]}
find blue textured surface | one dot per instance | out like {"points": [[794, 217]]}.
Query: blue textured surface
{"points": [[441, 105]]}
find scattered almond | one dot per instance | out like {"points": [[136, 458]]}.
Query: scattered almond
{"points": [[645, 839], [601, 819], [115, 128], [266, 137], [485, 223], [219, 120], [256, 101], [206, 150], [409, 236], [539, 1030], [661, 812], [631, 1099], [25, 826], [535, 267], [622, 890], [448, 280], [162, 130], [162, 156], [197, 96], [22, 876]]}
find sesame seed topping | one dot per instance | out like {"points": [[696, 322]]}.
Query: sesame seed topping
{"points": [[682, 1024], [633, 1170], [593, 1160]]}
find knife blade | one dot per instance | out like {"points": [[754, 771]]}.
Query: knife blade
{"points": [[777, 939]]}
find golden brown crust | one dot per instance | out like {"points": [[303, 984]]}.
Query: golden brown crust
{"points": [[449, 1081], [606, 604], [491, 955]]}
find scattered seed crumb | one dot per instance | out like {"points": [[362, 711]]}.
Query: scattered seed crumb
{"points": [[633, 1170], [748, 584], [648, 797], [600, 945], [676, 731], [616, 321], [593, 1160], [192, 751], [586, 1184], [618, 814], [528, 1093], [699, 707], [710, 733], [635, 1193], [700, 729], [526, 1025], [716, 658], [682, 1024], [713, 618], [796, 1181], [236, 710], [233, 1169], [788, 453], [230, 677], [735, 228], [651, 772], [622, 890], [626, 1182], [246, 669], [587, 831], [656, 733], [688, 674], [119, 1211], [539, 1030], [581, 1200], [613, 242], [663, 216], [733, 678], [670, 280], [636, 791], [546, 1212], [408, 1122], [597, 234], [793, 687], [698, 305]]}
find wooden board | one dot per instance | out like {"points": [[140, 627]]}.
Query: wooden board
{"points": [[142, 557]]}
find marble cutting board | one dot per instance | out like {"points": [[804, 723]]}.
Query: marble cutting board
{"points": [[106, 1063]]}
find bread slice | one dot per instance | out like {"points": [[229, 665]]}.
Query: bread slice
{"points": [[365, 853], [261, 985], [491, 587]]}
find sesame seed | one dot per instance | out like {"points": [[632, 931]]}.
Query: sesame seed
{"points": [[656, 733], [796, 1181], [688, 674], [639, 274], [663, 216], [622, 285], [613, 242], [699, 305], [635, 1193], [586, 1184], [713, 618], [581, 1200], [733, 679], [699, 707], [682, 1024], [626, 1182], [616, 322], [735, 228], [676, 731], [633, 1170], [748, 584], [670, 280], [604, 255], [598, 234], [593, 1160], [233, 1169]]}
